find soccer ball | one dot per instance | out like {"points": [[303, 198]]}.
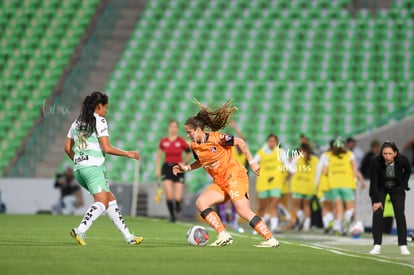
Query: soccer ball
{"points": [[356, 229], [197, 235]]}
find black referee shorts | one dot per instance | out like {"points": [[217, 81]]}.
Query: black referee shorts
{"points": [[167, 173]]}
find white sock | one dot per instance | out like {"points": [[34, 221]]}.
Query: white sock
{"points": [[337, 226], [115, 216], [266, 218], [348, 215], [327, 218], [224, 233], [235, 223], [282, 209], [274, 223], [300, 216], [306, 224], [93, 212]]}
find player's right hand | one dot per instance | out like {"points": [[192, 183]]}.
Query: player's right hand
{"points": [[376, 206], [157, 173], [133, 155], [255, 168]]}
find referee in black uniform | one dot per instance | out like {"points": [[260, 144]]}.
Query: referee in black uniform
{"points": [[390, 172]]}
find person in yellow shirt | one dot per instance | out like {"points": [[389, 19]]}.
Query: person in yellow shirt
{"points": [[273, 174], [303, 185], [341, 168], [324, 191]]}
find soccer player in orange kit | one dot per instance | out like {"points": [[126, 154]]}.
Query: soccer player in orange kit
{"points": [[213, 151]]}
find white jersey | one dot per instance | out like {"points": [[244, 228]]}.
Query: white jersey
{"points": [[88, 151], [319, 168]]}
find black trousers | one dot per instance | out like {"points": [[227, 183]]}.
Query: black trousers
{"points": [[398, 203]]}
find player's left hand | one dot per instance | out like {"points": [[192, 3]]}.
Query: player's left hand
{"points": [[255, 168], [363, 185]]}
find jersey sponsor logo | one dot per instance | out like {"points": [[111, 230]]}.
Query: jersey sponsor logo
{"points": [[225, 137], [166, 144], [103, 130], [103, 120], [82, 157]]}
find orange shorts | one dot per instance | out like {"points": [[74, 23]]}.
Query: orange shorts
{"points": [[236, 189]]}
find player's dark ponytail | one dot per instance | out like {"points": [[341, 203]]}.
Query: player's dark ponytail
{"points": [[212, 119], [86, 118], [307, 150], [338, 147]]}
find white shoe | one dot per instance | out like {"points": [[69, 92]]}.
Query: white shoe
{"points": [[223, 239], [272, 242], [135, 240], [78, 236], [376, 250], [404, 250]]}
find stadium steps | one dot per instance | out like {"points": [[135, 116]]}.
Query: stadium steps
{"points": [[99, 74]]}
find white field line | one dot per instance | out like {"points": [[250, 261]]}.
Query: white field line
{"points": [[361, 256]]}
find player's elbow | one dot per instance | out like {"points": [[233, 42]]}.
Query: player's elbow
{"points": [[106, 149], [239, 142], [67, 149]]}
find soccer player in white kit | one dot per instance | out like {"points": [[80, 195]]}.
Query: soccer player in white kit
{"points": [[86, 144]]}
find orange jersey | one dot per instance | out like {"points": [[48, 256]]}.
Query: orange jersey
{"points": [[215, 155]]}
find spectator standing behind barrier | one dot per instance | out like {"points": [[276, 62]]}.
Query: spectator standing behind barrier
{"points": [[390, 172], [366, 161], [70, 193], [351, 145]]}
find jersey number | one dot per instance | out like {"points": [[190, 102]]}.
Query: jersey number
{"points": [[82, 144]]}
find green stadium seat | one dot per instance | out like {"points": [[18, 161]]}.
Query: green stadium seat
{"points": [[299, 61], [32, 41]]}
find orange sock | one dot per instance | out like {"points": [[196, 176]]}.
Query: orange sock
{"points": [[258, 224], [211, 217]]}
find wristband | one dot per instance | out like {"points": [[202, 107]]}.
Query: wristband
{"points": [[188, 167], [252, 161]]}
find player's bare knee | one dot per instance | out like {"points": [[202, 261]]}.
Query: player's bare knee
{"points": [[200, 204], [111, 196], [102, 199]]}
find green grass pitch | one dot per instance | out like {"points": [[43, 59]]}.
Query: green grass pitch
{"points": [[41, 245]]}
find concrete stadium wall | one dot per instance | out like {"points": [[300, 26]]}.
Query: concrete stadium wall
{"points": [[399, 132]]}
